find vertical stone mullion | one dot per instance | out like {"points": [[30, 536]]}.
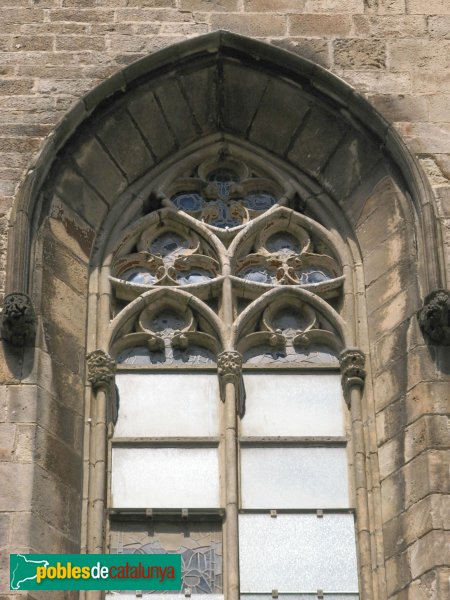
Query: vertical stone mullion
{"points": [[352, 363], [229, 366], [101, 370]]}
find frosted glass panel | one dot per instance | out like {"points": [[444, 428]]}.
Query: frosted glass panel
{"points": [[292, 405], [165, 478], [164, 404], [297, 553], [300, 596], [286, 477]]}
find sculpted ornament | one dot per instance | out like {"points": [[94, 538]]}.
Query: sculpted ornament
{"points": [[101, 369], [18, 320], [229, 368], [352, 369], [434, 317]]}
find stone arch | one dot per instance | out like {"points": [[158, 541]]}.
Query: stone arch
{"points": [[361, 181]]}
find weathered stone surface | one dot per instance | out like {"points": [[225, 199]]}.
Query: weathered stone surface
{"points": [[99, 169], [432, 431], [433, 7], [352, 160], [201, 92], [390, 384], [15, 497], [320, 25], [90, 207], [278, 116], [243, 89], [150, 120], [318, 138], [316, 50], [360, 54], [257, 25], [177, 111], [123, 141], [394, 26]]}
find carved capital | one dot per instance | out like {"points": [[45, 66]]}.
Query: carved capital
{"points": [[229, 365], [229, 368], [101, 369], [434, 317], [353, 369], [18, 320]]}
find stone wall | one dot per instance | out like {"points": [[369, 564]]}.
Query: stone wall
{"points": [[394, 52]]}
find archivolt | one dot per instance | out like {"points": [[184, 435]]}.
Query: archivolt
{"points": [[218, 83]]}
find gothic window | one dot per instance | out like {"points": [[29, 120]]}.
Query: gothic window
{"points": [[230, 446]]}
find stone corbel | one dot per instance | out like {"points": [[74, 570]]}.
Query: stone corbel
{"points": [[18, 320], [434, 317], [353, 371], [229, 369]]}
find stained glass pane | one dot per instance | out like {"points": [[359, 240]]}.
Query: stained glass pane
{"points": [[168, 243], [196, 275], [283, 242], [165, 404], [259, 200], [292, 405], [161, 477], [294, 477], [313, 275], [300, 553], [140, 276], [200, 546], [188, 201]]}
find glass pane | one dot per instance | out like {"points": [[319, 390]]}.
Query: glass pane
{"points": [[200, 546], [292, 405], [300, 596], [287, 477], [299, 553], [165, 477], [164, 404]]}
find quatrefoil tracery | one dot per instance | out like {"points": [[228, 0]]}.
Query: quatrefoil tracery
{"points": [[227, 220], [224, 194]]}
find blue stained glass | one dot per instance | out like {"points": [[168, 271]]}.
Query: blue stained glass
{"points": [[283, 242], [256, 274], [313, 275], [259, 201], [168, 243], [194, 276], [223, 179], [224, 218], [188, 201], [139, 276]]}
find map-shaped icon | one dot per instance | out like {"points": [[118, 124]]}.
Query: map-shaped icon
{"points": [[24, 569]]}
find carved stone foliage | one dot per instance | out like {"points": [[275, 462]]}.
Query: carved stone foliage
{"points": [[167, 333], [164, 256], [223, 193], [434, 317], [289, 331], [101, 369], [353, 369], [286, 253], [18, 320], [226, 236], [229, 369]]}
